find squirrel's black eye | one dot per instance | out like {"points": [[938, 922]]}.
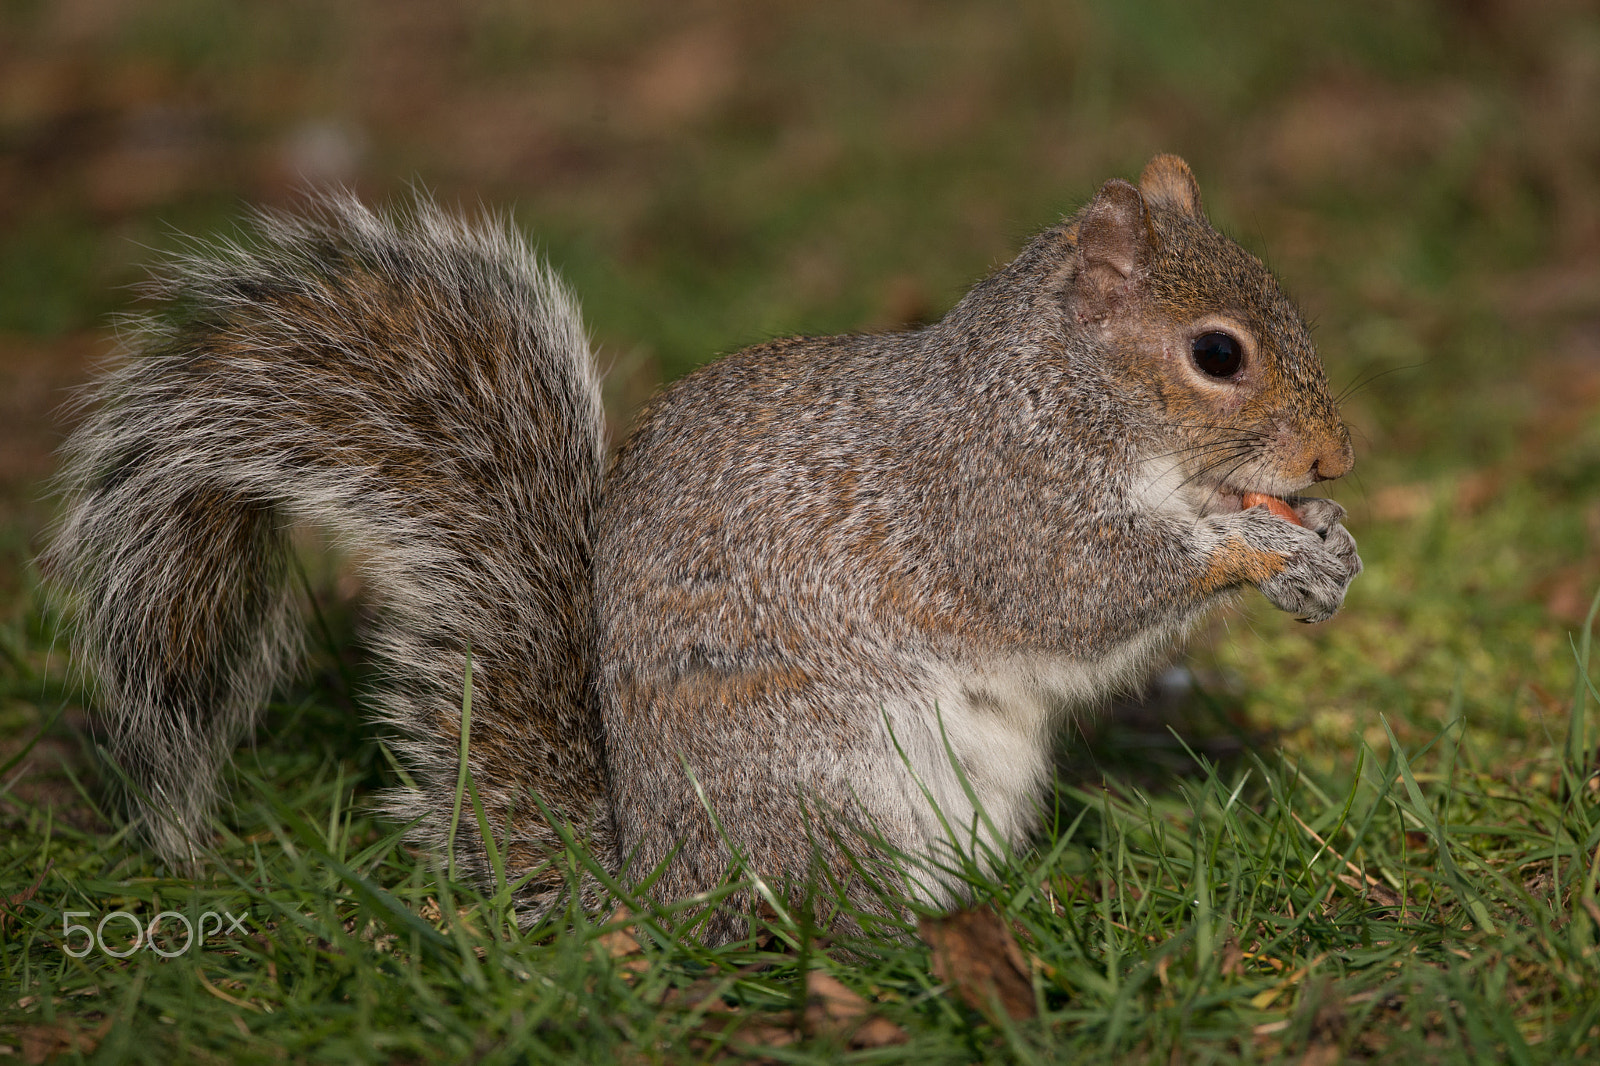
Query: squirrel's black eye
{"points": [[1218, 354]]}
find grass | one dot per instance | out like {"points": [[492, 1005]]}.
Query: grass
{"points": [[1423, 907], [1374, 839]]}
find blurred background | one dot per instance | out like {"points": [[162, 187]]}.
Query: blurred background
{"points": [[1425, 176]]}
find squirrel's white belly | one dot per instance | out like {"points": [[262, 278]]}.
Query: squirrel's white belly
{"points": [[997, 721]]}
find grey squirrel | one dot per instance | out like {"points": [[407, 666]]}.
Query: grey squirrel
{"points": [[822, 581]]}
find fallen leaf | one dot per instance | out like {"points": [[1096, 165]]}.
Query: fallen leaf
{"points": [[765, 1036], [833, 1009], [11, 906], [737, 1028], [619, 941], [974, 951], [1321, 1055], [1549, 703], [1567, 593], [1264, 999], [1267, 996], [770, 916], [1376, 890], [829, 1000], [43, 1042], [1476, 491], [878, 1031]]}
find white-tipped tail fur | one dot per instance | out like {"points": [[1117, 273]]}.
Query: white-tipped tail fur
{"points": [[420, 387]]}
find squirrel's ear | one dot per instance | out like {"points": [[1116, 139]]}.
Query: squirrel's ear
{"points": [[1168, 181], [1114, 237]]}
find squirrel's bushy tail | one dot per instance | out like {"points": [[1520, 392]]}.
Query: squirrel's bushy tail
{"points": [[420, 387]]}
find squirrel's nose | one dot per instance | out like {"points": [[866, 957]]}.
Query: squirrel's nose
{"points": [[1333, 463]]}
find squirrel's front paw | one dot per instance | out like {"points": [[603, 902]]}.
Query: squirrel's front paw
{"points": [[1317, 513], [1319, 566]]}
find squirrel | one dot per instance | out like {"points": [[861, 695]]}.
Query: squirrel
{"points": [[833, 598]]}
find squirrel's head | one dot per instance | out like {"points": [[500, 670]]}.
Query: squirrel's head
{"points": [[1198, 328]]}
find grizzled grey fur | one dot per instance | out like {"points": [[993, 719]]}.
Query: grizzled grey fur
{"points": [[816, 571]]}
